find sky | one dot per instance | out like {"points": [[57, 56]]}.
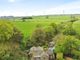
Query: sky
{"points": [[38, 7]]}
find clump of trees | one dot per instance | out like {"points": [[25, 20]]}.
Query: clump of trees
{"points": [[68, 45], [17, 35], [24, 18], [9, 33], [10, 38], [6, 31]]}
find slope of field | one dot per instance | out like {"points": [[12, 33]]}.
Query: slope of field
{"points": [[77, 26], [29, 25]]}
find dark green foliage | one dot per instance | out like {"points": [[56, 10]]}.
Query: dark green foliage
{"points": [[66, 28], [24, 18], [6, 31], [69, 31], [51, 32], [69, 45], [29, 43], [9, 33], [17, 35], [13, 55], [38, 36], [59, 40], [10, 38], [73, 19], [77, 36], [54, 26]]}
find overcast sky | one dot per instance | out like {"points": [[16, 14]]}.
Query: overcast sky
{"points": [[38, 7]]}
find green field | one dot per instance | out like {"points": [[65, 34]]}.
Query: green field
{"points": [[15, 45], [28, 27]]}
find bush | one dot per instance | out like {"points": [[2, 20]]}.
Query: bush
{"points": [[38, 36], [10, 38], [69, 45], [6, 31], [17, 35], [68, 30]]}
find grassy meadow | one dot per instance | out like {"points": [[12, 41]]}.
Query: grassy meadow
{"points": [[29, 25]]}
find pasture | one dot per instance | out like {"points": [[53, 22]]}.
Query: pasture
{"points": [[29, 25]]}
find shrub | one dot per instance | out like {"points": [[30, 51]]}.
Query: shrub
{"points": [[6, 31], [9, 41], [38, 36], [9, 33], [17, 35], [68, 45]]}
